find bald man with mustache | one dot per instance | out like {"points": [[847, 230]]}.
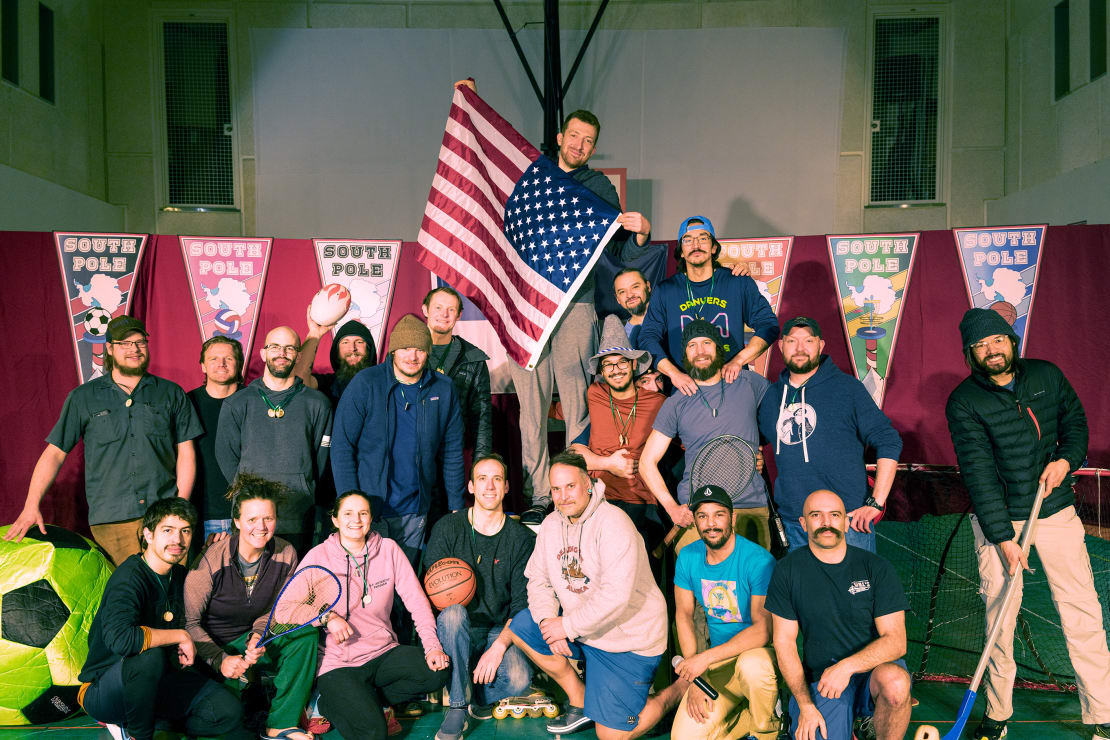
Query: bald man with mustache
{"points": [[279, 428]]}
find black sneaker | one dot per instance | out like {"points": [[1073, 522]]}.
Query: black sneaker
{"points": [[535, 514], [573, 720], [989, 729], [480, 711], [1102, 730], [864, 728]]}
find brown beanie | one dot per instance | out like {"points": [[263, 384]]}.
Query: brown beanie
{"points": [[410, 331]]}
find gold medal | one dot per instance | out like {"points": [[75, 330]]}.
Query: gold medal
{"points": [[127, 402], [168, 616], [271, 413], [622, 440], [279, 413]]}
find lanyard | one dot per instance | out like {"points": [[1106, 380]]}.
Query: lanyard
{"points": [[276, 411], [623, 426], [364, 573], [689, 294], [701, 395]]}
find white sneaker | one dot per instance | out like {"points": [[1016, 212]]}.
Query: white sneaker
{"points": [[117, 732]]}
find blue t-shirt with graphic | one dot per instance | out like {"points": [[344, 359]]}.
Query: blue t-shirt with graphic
{"points": [[725, 589]]}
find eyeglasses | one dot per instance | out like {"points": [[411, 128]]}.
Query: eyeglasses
{"points": [[287, 349], [996, 342], [137, 344], [621, 364], [700, 239]]}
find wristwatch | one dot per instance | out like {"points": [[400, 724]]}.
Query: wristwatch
{"points": [[870, 501], [324, 618]]}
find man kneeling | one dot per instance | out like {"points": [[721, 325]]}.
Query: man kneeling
{"points": [[130, 678], [728, 576], [850, 607], [592, 597]]}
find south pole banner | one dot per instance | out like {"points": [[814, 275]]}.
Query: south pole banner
{"points": [[366, 267], [1000, 271], [226, 278], [98, 271], [872, 273], [767, 260]]}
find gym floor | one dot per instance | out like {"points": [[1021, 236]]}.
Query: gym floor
{"points": [[1039, 715]]}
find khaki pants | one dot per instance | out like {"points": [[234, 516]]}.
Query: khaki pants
{"points": [[748, 688], [1063, 554], [119, 539]]}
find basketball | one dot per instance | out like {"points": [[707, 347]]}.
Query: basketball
{"points": [[1006, 311], [449, 581], [330, 304]]}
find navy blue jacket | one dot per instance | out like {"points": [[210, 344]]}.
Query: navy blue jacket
{"points": [[362, 437]]}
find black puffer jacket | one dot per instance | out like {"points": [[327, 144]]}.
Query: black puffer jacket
{"points": [[1004, 439], [465, 365]]}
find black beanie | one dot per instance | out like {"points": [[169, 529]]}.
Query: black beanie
{"points": [[978, 323], [700, 328]]}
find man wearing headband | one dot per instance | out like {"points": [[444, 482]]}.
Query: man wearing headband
{"points": [[704, 290]]}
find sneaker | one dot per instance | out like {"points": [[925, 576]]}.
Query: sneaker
{"points": [[864, 728], [1102, 730], [484, 711], [573, 720], [392, 726], [454, 724], [989, 729], [411, 710], [535, 514]]}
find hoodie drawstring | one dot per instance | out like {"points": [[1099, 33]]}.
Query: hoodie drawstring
{"points": [[805, 447], [782, 407], [782, 410]]}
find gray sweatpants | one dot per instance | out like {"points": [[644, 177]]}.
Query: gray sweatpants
{"points": [[564, 364]]}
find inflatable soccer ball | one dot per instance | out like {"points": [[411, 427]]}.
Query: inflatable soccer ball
{"points": [[50, 589]]}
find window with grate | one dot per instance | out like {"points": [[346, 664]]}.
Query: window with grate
{"points": [[199, 156], [904, 110]]}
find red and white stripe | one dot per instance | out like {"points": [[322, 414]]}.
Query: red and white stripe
{"points": [[462, 235]]}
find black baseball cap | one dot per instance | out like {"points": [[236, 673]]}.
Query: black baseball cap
{"points": [[121, 326], [805, 321], [710, 494]]}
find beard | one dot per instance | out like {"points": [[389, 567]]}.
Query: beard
{"points": [[706, 372], [132, 372], [641, 308], [805, 366], [277, 372], [1004, 369], [346, 371], [725, 532]]}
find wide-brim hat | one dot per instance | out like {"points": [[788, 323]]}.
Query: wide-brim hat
{"points": [[614, 341]]}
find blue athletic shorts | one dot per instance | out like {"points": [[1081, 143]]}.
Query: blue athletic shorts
{"points": [[617, 684], [855, 701]]}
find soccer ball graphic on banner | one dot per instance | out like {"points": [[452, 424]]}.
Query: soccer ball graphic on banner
{"points": [[50, 589], [96, 322]]}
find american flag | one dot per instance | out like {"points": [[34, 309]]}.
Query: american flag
{"points": [[509, 229]]}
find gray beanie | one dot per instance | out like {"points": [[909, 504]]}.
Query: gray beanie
{"points": [[983, 322]]}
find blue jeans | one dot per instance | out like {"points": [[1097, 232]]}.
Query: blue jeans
{"points": [[797, 536], [464, 643], [840, 713], [407, 530]]}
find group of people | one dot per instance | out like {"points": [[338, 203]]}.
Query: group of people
{"points": [[570, 584]]}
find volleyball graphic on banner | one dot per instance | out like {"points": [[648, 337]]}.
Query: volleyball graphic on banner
{"points": [[226, 279], [1000, 271], [872, 273]]}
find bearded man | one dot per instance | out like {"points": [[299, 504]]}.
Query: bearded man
{"points": [[138, 431], [279, 428]]}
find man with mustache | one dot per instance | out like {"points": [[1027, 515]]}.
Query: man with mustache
{"points": [[621, 415], [138, 666], [716, 407], [850, 608], [138, 431], [279, 428], [821, 420], [633, 292], [705, 290], [1018, 423], [728, 576], [352, 350]]}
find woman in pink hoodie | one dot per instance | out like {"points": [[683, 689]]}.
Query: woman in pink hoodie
{"points": [[363, 661]]}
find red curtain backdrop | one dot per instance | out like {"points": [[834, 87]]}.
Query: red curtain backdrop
{"points": [[1068, 327]]}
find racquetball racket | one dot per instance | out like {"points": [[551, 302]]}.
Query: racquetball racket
{"points": [[309, 594], [727, 461]]}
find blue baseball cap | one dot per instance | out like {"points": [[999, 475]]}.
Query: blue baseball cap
{"points": [[705, 224]]}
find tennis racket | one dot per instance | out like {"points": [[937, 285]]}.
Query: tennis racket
{"points": [[312, 592], [727, 461], [1007, 596]]}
